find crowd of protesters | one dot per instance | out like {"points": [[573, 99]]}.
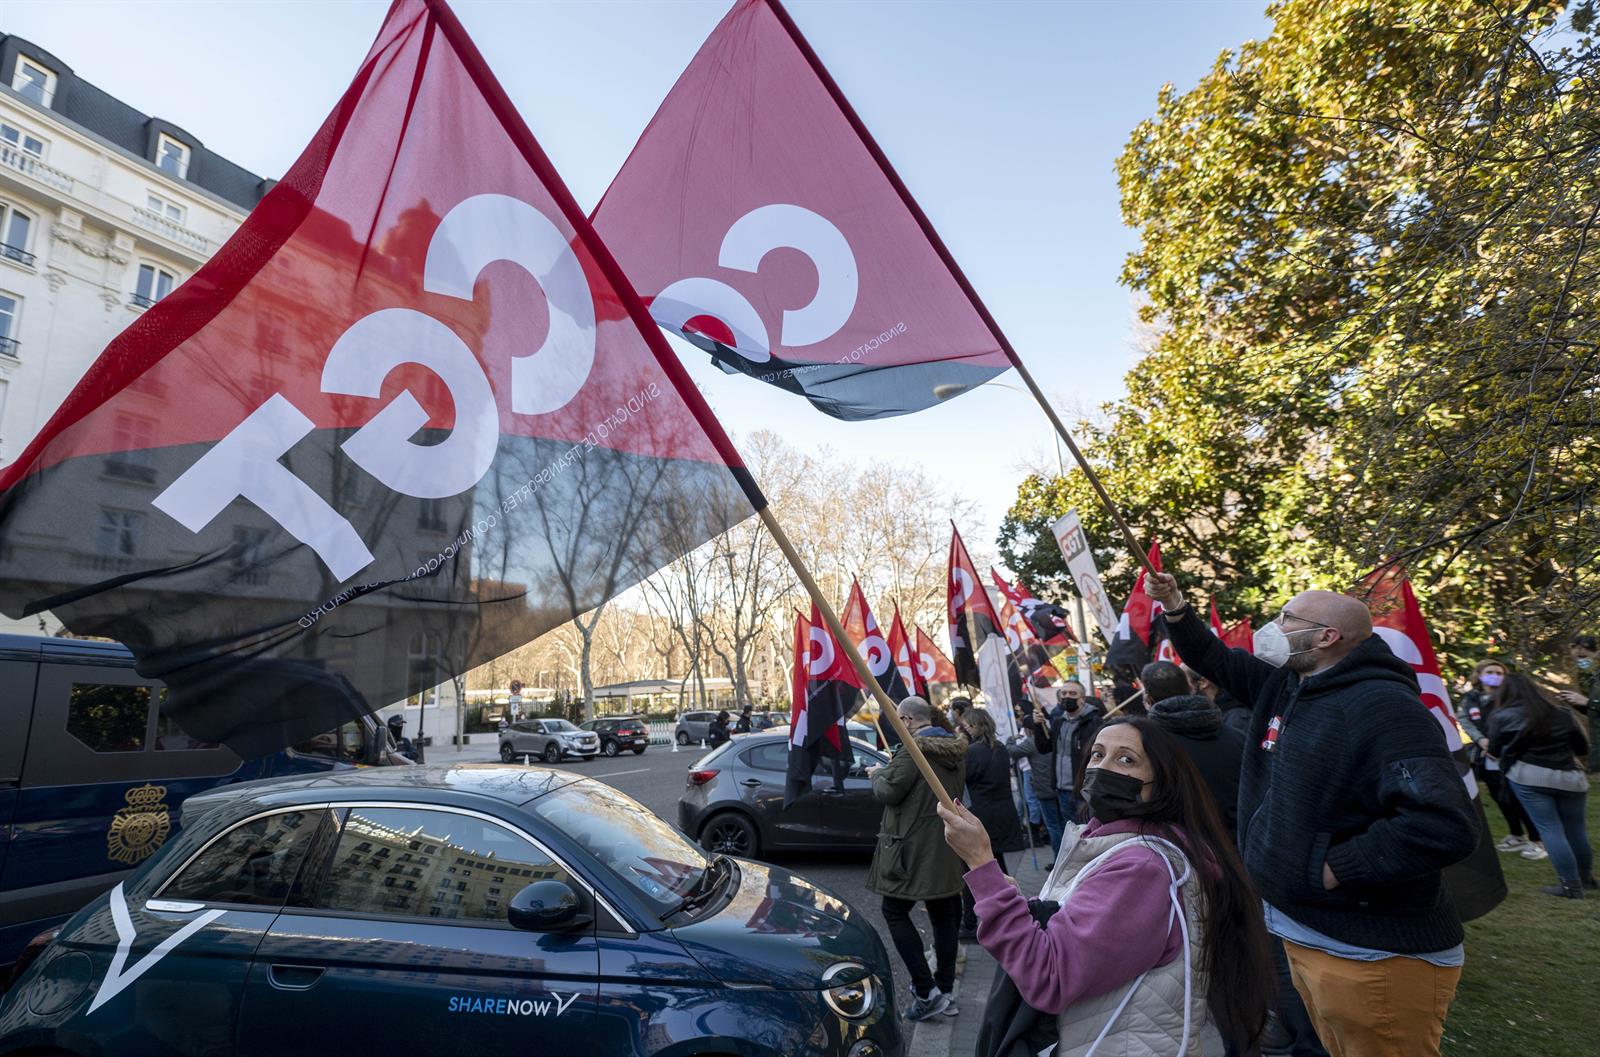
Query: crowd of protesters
{"points": [[1257, 839]]}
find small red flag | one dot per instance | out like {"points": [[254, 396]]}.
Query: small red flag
{"points": [[932, 665], [972, 618]]}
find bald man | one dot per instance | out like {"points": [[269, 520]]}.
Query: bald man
{"points": [[1349, 809]]}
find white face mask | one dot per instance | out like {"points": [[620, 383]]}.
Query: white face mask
{"points": [[1272, 644]]}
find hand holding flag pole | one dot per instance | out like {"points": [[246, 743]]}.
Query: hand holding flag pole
{"points": [[885, 705]]}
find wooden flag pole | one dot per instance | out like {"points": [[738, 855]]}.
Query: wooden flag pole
{"points": [[829, 617], [1130, 700], [1083, 464]]}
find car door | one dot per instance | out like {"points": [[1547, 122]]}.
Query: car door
{"points": [[170, 967], [404, 948], [759, 777], [848, 816]]}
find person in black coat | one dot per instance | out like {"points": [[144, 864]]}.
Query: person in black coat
{"points": [[719, 730], [1216, 750], [989, 788]]}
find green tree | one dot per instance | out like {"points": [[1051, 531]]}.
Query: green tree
{"points": [[1369, 252]]}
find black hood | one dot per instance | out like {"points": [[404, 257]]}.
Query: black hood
{"points": [[1371, 659]]}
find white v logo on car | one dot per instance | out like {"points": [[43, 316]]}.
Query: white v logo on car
{"points": [[116, 979]]}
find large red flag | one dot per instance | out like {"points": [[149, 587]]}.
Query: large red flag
{"points": [[1477, 884], [900, 648], [408, 418], [932, 665], [972, 618], [755, 150]]}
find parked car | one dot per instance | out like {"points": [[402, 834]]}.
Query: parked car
{"points": [[767, 720], [505, 909], [732, 800], [693, 727], [93, 772], [552, 740], [617, 734]]}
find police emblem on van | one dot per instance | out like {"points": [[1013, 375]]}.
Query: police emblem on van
{"points": [[138, 829]]}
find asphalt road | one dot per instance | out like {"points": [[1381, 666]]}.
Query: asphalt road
{"points": [[656, 779]]}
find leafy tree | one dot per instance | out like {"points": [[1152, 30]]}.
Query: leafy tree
{"points": [[1369, 251]]}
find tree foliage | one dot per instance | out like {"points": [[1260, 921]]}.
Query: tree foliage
{"points": [[1369, 253]]}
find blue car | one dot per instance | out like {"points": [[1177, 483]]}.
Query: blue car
{"points": [[478, 910]]}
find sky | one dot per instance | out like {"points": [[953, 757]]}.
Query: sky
{"points": [[1004, 120]]}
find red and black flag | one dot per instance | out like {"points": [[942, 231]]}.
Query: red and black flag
{"points": [[1476, 883], [824, 690], [1018, 612], [972, 617], [901, 648], [764, 225], [932, 665], [410, 417], [874, 648], [1140, 638]]}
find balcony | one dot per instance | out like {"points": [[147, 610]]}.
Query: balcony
{"points": [[9, 346], [140, 301], [16, 253], [14, 158], [159, 224]]}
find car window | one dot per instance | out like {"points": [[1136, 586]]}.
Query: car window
{"points": [[253, 863], [527, 726], [554, 725], [422, 863], [345, 742], [773, 756], [626, 838]]}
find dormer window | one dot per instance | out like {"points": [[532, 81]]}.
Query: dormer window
{"points": [[34, 82], [172, 156]]}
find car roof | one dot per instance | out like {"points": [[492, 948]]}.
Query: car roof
{"points": [[431, 783]]}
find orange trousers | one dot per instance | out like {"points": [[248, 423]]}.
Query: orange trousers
{"points": [[1390, 1008]]}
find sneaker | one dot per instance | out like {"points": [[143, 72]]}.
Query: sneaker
{"points": [[1535, 851], [1511, 843], [1566, 890], [935, 1003]]}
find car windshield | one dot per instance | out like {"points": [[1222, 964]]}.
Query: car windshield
{"points": [[554, 725], [625, 837]]}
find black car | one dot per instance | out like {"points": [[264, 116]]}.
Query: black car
{"points": [[427, 910], [733, 800], [620, 733]]}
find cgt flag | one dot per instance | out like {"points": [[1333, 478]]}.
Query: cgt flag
{"points": [[900, 646], [972, 617], [824, 689], [1476, 883], [765, 227], [410, 417], [874, 648], [932, 665]]}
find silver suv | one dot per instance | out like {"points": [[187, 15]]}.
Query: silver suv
{"points": [[552, 740]]}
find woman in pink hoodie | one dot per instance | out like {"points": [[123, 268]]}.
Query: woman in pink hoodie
{"points": [[1157, 918]]}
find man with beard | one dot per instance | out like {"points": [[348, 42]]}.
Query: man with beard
{"points": [[1350, 808]]}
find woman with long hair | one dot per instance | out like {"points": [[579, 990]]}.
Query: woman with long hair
{"points": [[1473, 710], [989, 788], [1157, 918], [1541, 748]]}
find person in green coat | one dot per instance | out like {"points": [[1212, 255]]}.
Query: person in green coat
{"points": [[912, 863]]}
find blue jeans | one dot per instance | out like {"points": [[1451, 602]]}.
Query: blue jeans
{"points": [[1559, 816], [1051, 810], [1032, 802], [1071, 806]]}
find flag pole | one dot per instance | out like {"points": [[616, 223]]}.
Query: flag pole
{"points": [[829, 617]]}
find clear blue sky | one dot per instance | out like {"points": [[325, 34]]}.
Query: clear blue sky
{"points": [[1004, 119]]}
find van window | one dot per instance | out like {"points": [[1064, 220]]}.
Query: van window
{"points": [[347, 742], [109, 718]]}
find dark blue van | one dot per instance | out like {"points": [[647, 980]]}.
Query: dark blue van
{"points": [[480, 910], [92, 773]]}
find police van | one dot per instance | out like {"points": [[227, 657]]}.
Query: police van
{"points": [[92, 772]]}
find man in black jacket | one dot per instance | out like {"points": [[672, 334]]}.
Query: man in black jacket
{"points": [[1350, 808], [1215, 749], [1071, 731]]}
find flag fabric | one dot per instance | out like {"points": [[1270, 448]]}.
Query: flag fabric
{"points": [[1140, 638], [824, 689], [932, 665], [1241, 637], [1477, 884], [1018, 612], [972, 618], [900, 647], [408, 418], [764, 226], [1074, 544], [863, 630], [1215, 621], [997, 674], [1049, 623]]}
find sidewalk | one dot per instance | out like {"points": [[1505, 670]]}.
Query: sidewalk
{"points": [[975, 973]]}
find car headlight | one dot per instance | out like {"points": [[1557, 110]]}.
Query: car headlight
{"points": [[854, 999]]}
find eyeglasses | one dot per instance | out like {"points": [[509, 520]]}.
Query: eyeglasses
{"points": [[1304, 620]]}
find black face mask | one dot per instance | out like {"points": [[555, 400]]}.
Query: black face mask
{"points": [[1071, 703], [1112, 795]]}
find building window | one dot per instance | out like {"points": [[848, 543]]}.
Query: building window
{"points": [[172, 157], [154, 284], [10, 308], [34, 82], [13, 138], [118, 534], [15, 226], [163, 207]]}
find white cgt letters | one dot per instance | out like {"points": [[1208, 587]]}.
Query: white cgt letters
{"points": [[477, 232]]}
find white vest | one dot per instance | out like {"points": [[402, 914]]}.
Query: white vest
{"points": [[1161, 1013]]}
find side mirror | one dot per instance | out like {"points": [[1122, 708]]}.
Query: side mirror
{"points": [[547, 906]]}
